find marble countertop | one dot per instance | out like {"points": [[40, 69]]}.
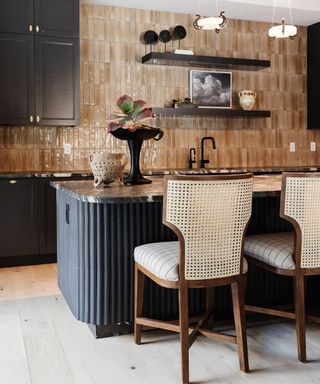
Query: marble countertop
{"points": [[161, 172], [28, 175], [264, 185]]}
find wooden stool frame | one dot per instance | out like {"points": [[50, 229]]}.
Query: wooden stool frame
{"points": [[299, 274], [188, 333]]}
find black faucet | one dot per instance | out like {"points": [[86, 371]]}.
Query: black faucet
{"points": [[202, 160], [192, 157]]}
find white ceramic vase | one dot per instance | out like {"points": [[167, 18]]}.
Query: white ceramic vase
{"points": [[247, 99], [107, 167]]}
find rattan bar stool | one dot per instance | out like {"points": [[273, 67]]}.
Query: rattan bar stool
{"points": [[295, 254], [209, 214]]}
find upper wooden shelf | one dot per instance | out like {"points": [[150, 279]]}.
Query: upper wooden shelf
{"points": [[166, 58], [223, 112]]}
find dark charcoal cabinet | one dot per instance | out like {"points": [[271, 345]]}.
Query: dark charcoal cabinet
{"points": [[16, 78], [47, 218], [16, 16], [19, 217], [313, 76], [39, 69], [57, 17], [45, 17], [57, 80]]}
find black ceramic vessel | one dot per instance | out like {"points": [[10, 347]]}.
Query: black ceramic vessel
{"points": [[135, 141]]}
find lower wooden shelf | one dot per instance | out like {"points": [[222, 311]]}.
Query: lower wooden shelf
{"points": [[222, 112]]}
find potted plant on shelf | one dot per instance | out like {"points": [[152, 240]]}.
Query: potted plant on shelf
{"points": [[128, 123], [184, 103]]}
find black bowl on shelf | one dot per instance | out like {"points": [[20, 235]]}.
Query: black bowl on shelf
{"points": [[150, 37], [165, 36], [179, 32]]}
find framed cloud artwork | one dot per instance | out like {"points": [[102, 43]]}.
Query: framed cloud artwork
{"points": [[211, 89]]}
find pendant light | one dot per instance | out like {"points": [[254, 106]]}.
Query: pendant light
{"points": [[283, 30], [210, 23]]}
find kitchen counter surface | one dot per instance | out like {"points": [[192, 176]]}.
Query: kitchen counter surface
{"points": [[28, 175], [84, 190], [161, 172]]}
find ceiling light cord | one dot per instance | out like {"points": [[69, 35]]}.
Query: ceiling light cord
{"points": [[290, 11], [274, 11]]}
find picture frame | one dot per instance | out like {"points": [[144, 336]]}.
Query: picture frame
{"points": [[211, 89]]}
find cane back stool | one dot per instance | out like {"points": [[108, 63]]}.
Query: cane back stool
{"points": [[296, 253], [210, 215]]}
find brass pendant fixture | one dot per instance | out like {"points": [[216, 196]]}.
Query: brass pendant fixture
{"points": [[282, 30], [210, 23]]}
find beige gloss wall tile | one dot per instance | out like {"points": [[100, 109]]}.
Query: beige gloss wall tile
{"points": [[110, 65]]}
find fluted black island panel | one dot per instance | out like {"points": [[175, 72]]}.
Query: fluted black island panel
{"points": [[97, 232]]}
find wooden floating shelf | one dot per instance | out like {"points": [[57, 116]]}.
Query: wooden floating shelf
{"points": [[222, 112], [165, 58]]}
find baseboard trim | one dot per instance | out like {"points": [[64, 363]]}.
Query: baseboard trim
{"points": [[17, 261]]}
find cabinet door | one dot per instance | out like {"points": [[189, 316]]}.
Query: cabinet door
{"points": [[16, 16], [47, 218], [16, 79], [57, 81], [19, 217], [57, 17]]}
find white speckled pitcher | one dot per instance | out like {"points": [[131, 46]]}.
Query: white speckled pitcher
{"points": [[247, 99], [107, 167]]}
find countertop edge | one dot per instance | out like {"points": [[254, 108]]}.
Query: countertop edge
{"points": [[147, 198], [85, 192]]}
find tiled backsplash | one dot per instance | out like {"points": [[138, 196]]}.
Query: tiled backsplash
{"points": [[110, 66]]}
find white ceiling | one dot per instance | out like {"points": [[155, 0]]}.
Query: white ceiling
{"points": [[305, 12]]}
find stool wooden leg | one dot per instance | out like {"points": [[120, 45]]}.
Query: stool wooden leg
{"points": [[184, 332], [238, 294], [299, 297], [209, 306], [138, 302]]}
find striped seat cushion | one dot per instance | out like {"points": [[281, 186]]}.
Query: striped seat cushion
{"points": [[162, 259], [275, 249]]}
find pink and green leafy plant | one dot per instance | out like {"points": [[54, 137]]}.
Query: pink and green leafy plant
{"points": [[130, 114]]}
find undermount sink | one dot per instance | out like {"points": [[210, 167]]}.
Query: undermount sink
{"points": [[205, 171]]}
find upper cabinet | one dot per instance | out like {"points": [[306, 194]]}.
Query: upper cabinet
{"points": [[43, 17], [16, 78], [16, 16], [56, 83], [39, 66], [57, 17]]}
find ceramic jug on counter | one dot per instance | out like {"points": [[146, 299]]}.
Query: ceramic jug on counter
{"points": [[107, 167], [247, 99]]}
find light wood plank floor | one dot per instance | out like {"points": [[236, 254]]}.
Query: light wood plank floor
{"points": [[29, 281], [41, 343]]}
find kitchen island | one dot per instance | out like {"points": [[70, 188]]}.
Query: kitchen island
{"points": [[97, 231]]}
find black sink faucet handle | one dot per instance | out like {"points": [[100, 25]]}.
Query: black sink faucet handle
{"points": [[202, 160], [192, 157]]}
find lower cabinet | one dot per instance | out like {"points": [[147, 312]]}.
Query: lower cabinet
{"points": [[19, 209], [47, 218], [28, 224]]}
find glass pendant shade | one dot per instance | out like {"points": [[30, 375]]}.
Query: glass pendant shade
{"points": [[283, 30], [210, 22]]}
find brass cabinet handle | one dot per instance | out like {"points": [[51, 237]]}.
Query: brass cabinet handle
{"points": [[13, 181], [31, 119], [30, 27], [37, 28], [38, 118]]}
